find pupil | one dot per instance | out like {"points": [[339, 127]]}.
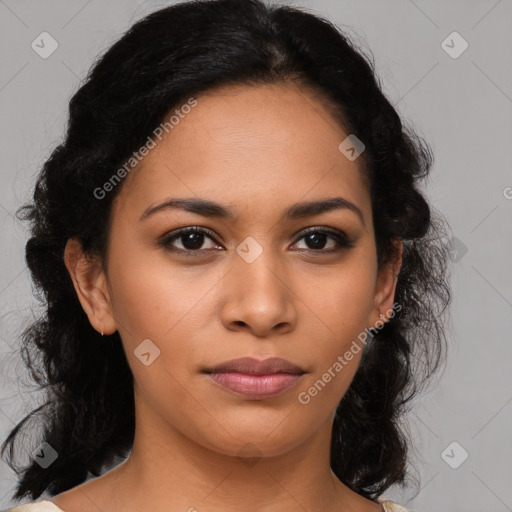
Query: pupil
{"points": [[313, 237], [194, 239]]}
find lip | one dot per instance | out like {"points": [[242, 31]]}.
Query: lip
{"points": [[254, 378], [255, 366]]}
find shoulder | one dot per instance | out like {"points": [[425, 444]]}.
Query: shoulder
{"points": [[390, 506], [39, 506]]}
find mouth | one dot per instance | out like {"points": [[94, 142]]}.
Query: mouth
{"points": [[256, 379]]}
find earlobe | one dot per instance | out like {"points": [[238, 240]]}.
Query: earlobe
{"points": [[386, 286], [90, 285]]}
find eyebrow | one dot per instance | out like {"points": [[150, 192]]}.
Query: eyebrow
{"points": [[208, 208]]}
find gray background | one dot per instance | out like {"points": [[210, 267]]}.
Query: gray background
{"points": [[462, 106]]}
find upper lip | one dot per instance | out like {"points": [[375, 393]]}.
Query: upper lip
{"points": [[256, 366]]}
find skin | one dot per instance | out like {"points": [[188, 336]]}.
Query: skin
{"points": [[257, 150]]}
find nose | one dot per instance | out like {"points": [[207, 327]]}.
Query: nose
{"points": [[258, 297]]}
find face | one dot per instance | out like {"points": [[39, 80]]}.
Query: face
{"points": [[266, 279]]}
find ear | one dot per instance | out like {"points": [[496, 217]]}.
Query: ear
{"points": [[385, 287], [90, 285]]}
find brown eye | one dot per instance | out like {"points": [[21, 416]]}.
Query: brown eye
{"points": [[192, 240], [317, 240]]}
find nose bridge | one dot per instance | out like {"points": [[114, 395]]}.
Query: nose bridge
{"points": [[258, 268], [256, 293]]}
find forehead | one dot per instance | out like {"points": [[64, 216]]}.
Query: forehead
{"points": [[248, 146]]}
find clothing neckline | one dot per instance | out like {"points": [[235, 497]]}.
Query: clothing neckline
{"points": [[55, 508]]}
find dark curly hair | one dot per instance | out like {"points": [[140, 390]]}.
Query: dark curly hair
{"points": [[170, 55]]}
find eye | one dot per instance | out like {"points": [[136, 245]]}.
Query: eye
{"points": [[191, 239], [316, 240]]}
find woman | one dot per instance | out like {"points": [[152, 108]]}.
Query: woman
{"points": [[243, 282]]}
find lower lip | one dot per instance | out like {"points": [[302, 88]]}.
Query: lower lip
{"points": [[255, 386]]}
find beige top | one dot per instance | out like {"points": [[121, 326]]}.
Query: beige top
{"points": [[48, 506], [39, 506]]}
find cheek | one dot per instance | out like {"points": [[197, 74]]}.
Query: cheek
{"points": [[340, 308], [342, 299], [153, 299]]}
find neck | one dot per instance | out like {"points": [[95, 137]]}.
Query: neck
{"points": [[168, 470]]}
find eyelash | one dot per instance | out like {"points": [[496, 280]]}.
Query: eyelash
{"points": [[338, 236]]}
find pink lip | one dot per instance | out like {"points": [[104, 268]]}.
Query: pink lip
{"points": [[255, 386], [253, 378], [256, 366]]}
